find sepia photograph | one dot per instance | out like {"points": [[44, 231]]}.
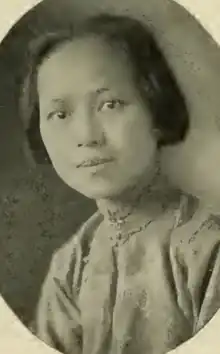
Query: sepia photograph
{"points": [[110, 179]]}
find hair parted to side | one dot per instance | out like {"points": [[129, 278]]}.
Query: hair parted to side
{"points": [[152, 74]]}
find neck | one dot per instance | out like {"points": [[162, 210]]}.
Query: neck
{"points": [[139, 201]]}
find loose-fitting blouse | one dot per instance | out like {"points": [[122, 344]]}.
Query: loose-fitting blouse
{"points": [[156, 291]]}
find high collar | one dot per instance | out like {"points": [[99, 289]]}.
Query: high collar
{"points": [[139, 205]]}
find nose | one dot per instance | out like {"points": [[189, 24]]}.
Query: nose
{"points": [[87, 129]]}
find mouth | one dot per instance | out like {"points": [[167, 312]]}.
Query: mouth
{"points": [[94, 162]]}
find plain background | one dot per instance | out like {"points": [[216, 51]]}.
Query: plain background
{"points": [[37, 211]]}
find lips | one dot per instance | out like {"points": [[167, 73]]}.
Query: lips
{"points": [[94, 162]]}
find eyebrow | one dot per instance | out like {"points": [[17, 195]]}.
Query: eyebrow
{"points": [[98, 91]]}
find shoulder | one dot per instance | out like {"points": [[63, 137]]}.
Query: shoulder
{"points": [[72, 253], [197, 240]]}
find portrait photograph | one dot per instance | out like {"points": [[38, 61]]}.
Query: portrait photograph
{"points": [[110, 178]]}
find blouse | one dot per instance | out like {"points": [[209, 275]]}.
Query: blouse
{"points": [[148, 296]]}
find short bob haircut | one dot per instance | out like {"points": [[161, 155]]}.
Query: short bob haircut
{"points": [[163, 96]]}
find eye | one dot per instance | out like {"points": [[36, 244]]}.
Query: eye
{"points": [[59, 115], [111, 105]]}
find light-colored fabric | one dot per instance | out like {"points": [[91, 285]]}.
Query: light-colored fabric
{"points": [[156, 291]]}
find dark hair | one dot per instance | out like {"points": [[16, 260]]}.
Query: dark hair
{"points": [[163, 95]]}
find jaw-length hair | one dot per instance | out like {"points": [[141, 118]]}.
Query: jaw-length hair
{"points": [[152, 74]]}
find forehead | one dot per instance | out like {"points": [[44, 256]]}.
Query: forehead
{"points": [[84, 62]]}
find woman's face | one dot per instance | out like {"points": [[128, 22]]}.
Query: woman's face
{"points": [[95, 127]]}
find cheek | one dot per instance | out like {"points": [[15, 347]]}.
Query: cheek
{"points": [[54, 144], [132, 135], [48, 138]]}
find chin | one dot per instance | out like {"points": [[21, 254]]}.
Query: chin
{"points": [[102, 190]]}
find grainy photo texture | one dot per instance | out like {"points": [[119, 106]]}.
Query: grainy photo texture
{"points": [[110, 220]]}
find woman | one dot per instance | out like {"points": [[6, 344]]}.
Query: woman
{"points": [[104, 103]]}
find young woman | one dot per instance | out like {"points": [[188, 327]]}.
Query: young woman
{"points": [[100, 104]]}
